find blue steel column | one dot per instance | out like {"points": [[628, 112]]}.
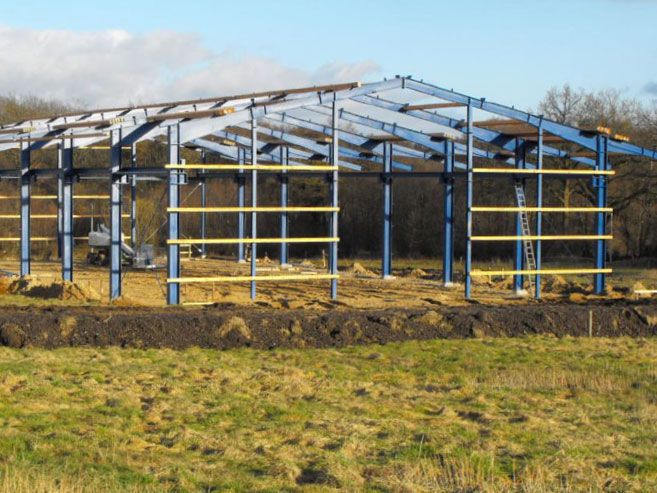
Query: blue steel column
{"points": [[133, 198], [468, 218], [25, 209], [67, 210], [173, 250], [241, 218], [115, 214], [60, 195], [254, 202], [386, 251], [204, 204], [539, 214], [285, 161], [448, 219], [518, 261], [333, 247], [600, 182]]}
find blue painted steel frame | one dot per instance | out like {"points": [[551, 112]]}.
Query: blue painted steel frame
{"points": [[67, 210], [25, 185], [539, 214], [115, 214], [173, 250], [284, 180], [469, 193], [448, 218], [333, 190], [254, 203], [600, 183], [386, 251]]}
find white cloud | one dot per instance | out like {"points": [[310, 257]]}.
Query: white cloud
{"points": [[116, 67]]}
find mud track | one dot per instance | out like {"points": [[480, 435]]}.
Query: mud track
{"points": [[224, 327]]}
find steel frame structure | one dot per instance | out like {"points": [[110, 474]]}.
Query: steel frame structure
{"points": [[367, 130]]}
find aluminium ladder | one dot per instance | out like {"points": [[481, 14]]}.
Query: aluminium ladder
{"points": [[528, 246]]}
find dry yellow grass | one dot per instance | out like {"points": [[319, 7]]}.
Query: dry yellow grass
{"points": [[522, 415]]}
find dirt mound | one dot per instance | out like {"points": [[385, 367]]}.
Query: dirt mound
{"points": [[417, 273], [224, 327], [358, 269], [5, 282], [61, 290]]}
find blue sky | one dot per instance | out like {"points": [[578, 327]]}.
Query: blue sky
{"points": [[508, 51]]}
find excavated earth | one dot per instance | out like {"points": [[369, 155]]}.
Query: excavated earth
{"points": [[230, 326]]}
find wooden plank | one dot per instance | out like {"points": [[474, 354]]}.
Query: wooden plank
{"points": [[541, 209], [547, 272], [542, 237], [515, 171], [431, 106], [235, 241], [253, 209], [281, 278]]}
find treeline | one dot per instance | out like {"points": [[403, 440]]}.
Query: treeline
{"points": [[418, 202]]}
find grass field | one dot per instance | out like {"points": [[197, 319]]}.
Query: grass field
{"points": [[532, 414]]}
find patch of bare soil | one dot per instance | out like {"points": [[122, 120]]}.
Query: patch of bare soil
{"points": [[61, 290], [225, 326]]}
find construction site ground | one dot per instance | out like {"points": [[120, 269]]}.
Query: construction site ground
{"points": [[42, 311]]}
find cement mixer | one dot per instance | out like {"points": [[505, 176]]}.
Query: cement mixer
{"points": [[99, 250]]}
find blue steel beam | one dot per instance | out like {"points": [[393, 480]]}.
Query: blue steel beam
{"points": [[386, 251], [539, 214], [468, 212], [448, 218], [200, 127], [322, 151], [407, 134], [254, 203], [67, 211], [173, 250], [269, 150], [600, 184], [488, 136], [115, 214], [333, 191], [577, 136], [284, 248], [347, 135], [25, 192]]}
